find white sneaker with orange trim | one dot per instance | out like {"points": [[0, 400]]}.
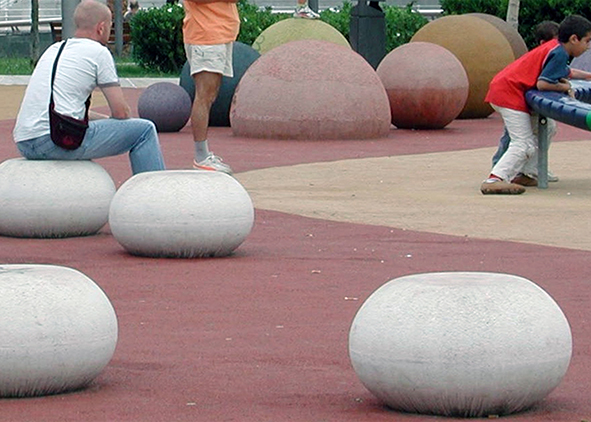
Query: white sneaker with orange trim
{"points": [[305, 12], [212, 163]]}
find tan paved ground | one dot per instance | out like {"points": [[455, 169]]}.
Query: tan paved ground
{"points": [[11, 99], [436, 193]]}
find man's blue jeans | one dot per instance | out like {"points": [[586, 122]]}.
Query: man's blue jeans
{"points": [[105, 138]]}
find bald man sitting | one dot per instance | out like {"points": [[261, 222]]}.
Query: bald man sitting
{"points": [[84, 64]]}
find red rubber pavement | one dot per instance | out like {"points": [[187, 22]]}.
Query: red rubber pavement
{"points": [[262, 335]]}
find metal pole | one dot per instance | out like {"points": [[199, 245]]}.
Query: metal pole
{"points": [[68, 26], [34, 31], [542, 152], [513, 14], [313, 4], [118, 25]]}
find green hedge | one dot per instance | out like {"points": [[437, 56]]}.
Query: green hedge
{"points": [[531, 12], [157, 37], [401, 25]]}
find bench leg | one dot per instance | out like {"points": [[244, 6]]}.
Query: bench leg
{"points": [[542, 152]]}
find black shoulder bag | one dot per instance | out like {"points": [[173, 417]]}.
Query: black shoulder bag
{"points": [[66, 132]]}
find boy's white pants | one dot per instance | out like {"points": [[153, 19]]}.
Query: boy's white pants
{"points": [[522, 154]]}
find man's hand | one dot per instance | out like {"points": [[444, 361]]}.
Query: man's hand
{"points": [[93, 115]]}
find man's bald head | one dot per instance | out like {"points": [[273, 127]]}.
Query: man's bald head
{"points": [[89, 13]]}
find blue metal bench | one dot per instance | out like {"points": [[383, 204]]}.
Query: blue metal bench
{"points": [[560, 107]]}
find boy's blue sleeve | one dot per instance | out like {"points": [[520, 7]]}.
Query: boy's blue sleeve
{"points": [[556, 66]]}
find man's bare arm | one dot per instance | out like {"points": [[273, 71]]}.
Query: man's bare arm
{"points": [[119, 107]]}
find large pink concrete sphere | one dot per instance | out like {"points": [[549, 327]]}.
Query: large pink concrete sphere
{"points": [[480, 46], [426, 84], [310, 89]]}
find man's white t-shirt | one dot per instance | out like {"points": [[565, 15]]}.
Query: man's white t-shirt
{"points": [[83, 65]]}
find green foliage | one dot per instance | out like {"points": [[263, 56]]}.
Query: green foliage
{"points": [[459, 7], [16, 66], [157, 38], [127, 68], [531, 12], [339, 18], [254, 20], [401, 24]]}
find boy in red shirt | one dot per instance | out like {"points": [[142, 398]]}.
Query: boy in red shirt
{"points": [[545, 31], [545, 68]]}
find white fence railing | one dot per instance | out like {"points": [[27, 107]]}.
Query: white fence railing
{"points": [[20, 10]]}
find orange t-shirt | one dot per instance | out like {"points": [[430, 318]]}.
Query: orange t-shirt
{"points": [[210, 23]]}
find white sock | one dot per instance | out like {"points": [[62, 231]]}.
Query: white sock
{"points": [[201, 150]]}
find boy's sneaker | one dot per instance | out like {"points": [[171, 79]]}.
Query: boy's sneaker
{"points": [[212, 163], [525, 180], [532, 180], [500, 187], [305, 12]]}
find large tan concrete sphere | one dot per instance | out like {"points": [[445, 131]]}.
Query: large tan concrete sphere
{"points": [[513, 36], [310, 89], [480, 46], [426, 84], [293, 29], [465, 344]]}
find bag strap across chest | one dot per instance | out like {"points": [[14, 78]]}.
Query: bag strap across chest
{"points": [[54, 71]]}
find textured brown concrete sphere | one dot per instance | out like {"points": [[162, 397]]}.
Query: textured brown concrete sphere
{"points": [[513, 36], [426, 84], [482, 49], [297, 29], [310, 90]]}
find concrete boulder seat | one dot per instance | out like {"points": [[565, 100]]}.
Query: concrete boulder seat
{"points": [[47, 199], [427, 85], [310, 89], [481, 45], [294, 29], [58, 330], [181, 214], [461, 344]]}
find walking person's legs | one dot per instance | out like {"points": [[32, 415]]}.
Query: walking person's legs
{"points": [[208, 64]]}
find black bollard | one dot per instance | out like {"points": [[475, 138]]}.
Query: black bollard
{"points": [[368, 31]]}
